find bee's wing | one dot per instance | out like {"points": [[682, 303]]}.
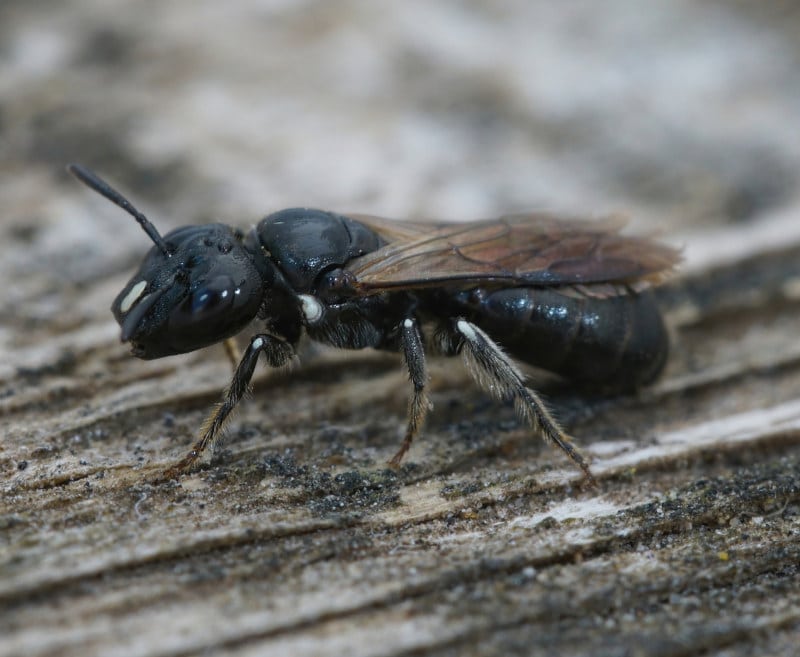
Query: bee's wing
{"points": [[396, 230], [531, 249]]}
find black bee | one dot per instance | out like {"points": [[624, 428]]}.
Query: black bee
{"points": [[564, 295]]}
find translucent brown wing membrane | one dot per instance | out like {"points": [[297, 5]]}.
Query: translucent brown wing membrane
{"points": [[532, 249], [395, 230]]}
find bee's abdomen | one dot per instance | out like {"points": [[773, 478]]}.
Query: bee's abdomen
{"points": [[618, 342]]}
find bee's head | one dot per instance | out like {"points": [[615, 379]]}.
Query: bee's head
{"points": [[206, 290], [198, 285]]}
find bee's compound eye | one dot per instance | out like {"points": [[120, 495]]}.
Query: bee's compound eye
{"points": [[206, 302]]}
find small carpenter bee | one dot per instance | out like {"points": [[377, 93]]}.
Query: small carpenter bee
{"points": [[564, 295]]}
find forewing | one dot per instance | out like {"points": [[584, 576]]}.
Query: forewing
{"points": [[532, 249], [395, 230]]}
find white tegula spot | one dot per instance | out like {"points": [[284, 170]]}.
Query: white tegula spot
{"points": [[466, 330], [312, 308], [132, 297], [408, 323], [257, 343]]}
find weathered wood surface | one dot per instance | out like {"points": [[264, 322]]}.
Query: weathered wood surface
{"points": [[299, 541]]}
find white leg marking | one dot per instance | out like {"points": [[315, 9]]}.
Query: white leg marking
{"points": [[312, 308], [466, 329]]}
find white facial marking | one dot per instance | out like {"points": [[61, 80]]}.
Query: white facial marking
{"points": [[465, 329], [132, 297], [408, 323], [312, 308]]}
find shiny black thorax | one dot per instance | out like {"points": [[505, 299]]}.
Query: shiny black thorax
{"points": [[309, 249], [304, 244]]}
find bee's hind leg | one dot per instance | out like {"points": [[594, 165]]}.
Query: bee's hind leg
{"points": [[496, 373]]}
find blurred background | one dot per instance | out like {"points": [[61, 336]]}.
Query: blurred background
{"points": [[681, 114]]}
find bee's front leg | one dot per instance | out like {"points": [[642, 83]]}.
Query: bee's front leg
{"points": [[278, 352]]}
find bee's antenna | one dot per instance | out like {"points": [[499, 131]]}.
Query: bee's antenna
{"points": [[93, 181]]}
